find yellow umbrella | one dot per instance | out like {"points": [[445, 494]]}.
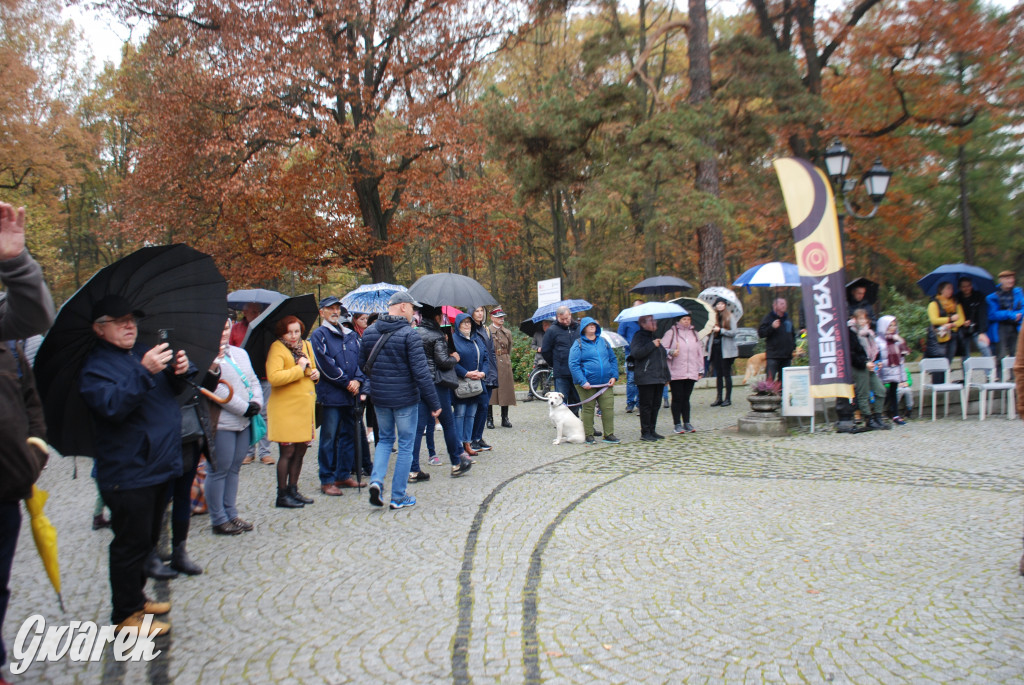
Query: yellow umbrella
{"points": [[43, 532]]}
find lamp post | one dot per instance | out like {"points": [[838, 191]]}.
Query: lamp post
{"points": [[875, 181]]}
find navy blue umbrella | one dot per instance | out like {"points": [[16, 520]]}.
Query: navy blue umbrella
{"points": [[980, 279]]}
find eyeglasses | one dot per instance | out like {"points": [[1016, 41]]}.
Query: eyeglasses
{"points": [[128, 321]]}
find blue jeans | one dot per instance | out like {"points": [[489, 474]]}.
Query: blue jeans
{"points": [[465, 415], [395, 423], [483, 400], [337, 444], [632, 395], [426, 425], [566, 387]]}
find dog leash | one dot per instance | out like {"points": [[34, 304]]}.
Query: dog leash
{"points": [[604, 388]]}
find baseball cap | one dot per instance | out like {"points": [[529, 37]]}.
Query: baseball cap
{"points": [[115, 306], [328, 301], [403, 296]]}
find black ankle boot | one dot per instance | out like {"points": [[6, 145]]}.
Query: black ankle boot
{"points": [[181, 562], [293, 490], [490, 418], [505, 423], [286, 501], [718, 400], [156, 570]]}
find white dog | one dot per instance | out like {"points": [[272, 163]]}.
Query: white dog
{"points": [[570, 428]]}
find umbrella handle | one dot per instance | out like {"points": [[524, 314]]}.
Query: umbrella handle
{"points": [[219, 400]]}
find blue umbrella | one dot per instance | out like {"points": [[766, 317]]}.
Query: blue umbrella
{"points": [[371, 298], [659, 310], [239, 298], [770, 275], [981, 279], [548, 310]]}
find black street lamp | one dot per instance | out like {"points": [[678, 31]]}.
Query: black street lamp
{"points": [[875, 180]]}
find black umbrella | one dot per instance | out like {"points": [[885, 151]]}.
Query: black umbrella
{"points": [[660, 285], [178, 288], [700, 314], [260, 335], [452, 289], [530, 327], [871, 293]]}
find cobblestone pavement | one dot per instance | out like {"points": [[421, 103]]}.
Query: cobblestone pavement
{"points": [[877, 558]]}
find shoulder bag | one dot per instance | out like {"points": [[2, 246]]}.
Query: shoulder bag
{"points": [[470, 387]]}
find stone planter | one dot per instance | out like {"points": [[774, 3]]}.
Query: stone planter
{"points": [[765, 418], [765, 403]]}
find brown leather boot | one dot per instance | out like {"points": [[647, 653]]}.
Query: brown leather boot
{"points": [[469, 450]]}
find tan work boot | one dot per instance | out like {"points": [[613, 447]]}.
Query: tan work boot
{"points": [[248, 459], [156, 608], [267, 459], [156, 628]]}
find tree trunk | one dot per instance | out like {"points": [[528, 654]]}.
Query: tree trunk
{"points": [[710, 241], [965, 210], [382, 268]]}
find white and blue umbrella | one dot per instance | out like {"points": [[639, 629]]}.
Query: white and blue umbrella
{"points": [[239, 298], [770, 275], [548, 310], [659, 310], [371, 298]]}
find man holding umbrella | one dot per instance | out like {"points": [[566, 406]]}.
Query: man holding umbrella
{"points": [[131, 393]]}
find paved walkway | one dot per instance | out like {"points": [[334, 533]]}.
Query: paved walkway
{"points": [[876, 558]]}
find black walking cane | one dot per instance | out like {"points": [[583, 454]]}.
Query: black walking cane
{"points": [[360, 438]]}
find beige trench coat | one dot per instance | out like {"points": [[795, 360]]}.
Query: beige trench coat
{"points": [[505, 394]]}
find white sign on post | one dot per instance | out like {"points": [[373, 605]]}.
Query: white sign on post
{"points": [[549, 291], [796, 391]]}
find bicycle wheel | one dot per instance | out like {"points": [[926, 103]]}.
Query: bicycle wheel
{"points": [[540, 382]]}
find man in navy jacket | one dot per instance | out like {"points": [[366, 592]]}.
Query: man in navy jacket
{"points": [[131, 391], [341, 382], [398, 377]]}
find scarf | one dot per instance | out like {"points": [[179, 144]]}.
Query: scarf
{"points": [[298, 349], [896, 350], [946, 304]]}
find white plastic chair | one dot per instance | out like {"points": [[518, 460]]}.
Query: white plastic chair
{"points": [[940, 365], [987, 366], [1008, 387]]}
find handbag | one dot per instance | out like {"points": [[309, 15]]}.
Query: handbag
{"points": [[935, 349], [468, 387], [257, 429], [191, 428], [448, 379]]}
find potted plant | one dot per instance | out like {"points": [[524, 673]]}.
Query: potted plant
{"points": [[766, 396]]}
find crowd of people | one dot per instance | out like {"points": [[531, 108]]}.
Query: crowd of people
{"points": [[392, 379]]}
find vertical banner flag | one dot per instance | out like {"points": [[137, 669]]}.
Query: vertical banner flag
{"points": [[819, 258]]}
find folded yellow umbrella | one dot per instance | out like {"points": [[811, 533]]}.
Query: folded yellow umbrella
{"points": [[43, 531]]}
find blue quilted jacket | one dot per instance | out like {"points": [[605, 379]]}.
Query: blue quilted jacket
{"points": [[400, 375]]}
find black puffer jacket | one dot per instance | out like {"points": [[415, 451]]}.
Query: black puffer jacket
{"points": [[555, 349], [435, 346], [650, 359], [400, 376]]}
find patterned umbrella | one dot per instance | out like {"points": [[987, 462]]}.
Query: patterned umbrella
{"points": [[710, 295], [548, 310], [371, 298]]}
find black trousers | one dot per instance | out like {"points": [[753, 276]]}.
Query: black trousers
{"points": [[723, 371], [681, 391], [773, 368], [10, 524], [180, 492], [136, 517], [650, 402]]}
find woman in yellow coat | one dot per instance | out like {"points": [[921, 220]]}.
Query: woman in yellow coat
{"points": [[292, 372]]}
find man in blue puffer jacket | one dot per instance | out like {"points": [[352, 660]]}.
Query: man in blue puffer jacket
{"points": [[592, 362], [341, 383], [1005, 312], [398, 377]]}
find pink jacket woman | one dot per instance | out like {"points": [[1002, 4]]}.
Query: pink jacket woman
{"points": [[685, 352]]}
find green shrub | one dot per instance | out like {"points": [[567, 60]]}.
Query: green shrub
{"points": [[522, 356]]}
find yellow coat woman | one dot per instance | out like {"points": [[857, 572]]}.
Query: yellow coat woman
{"points": [[293, 400]]}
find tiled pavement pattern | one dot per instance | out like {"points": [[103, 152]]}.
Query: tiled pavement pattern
{"points": [[878, 558]]}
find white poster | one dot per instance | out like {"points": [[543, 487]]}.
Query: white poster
{"points": [[549, 291], [796, 391]]}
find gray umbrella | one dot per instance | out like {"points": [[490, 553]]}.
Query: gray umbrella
{"points": [[451, 289]]}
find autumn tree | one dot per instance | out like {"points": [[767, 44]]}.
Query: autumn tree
{"points": [[306, 123]]}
